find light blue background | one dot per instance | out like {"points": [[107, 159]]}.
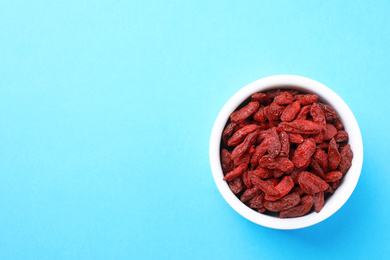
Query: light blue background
{"points": [[106, 109]]}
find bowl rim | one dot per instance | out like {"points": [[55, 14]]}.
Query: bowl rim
{"points": [[349, 181]]}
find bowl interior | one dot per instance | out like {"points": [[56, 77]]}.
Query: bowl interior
{"points": [[326, 95]]}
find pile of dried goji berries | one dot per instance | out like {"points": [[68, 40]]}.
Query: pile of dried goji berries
{"points": [[284, 151]]}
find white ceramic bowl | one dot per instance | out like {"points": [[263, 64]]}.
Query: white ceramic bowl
{"points": [[326, 95]]}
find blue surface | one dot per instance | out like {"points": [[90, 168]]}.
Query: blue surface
{"points": [[106, 110]]}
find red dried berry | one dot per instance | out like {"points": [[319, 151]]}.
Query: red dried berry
{"points": [[227, 132], [303, 113], [262, 98], [341, 136], [273, 93], [285, 144], [322, 159], [311, 183], [259, 116], [226, 161], [274, 145], [337, 123], [284, 203], [316, 168], [295, 138], [264, 186], [283, 187], [274, 111], [300, 127], [238, 136], [245, 112], [250, 193], [333, 176], [238, 171], [299, 210], [330, 132], [245, 145], [278, 163], [317, 115], [284, 99], [291, 111], [318, 201], [236, 185], [262, 173], [257, 201], [329, 112], [346, 157], [246, 179], [333, 155], [306, 99], [303, 153]]}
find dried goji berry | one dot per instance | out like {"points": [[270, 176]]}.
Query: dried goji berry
{"points": [[272, 181], [260, 150], [236, 185], [318, 201], [246, 179], [303, 113], [329, 112], [295, 174], [285, 144], [245, 112], [330, 132], [303, 153], [238, 171], [284, 203], [306, 99], [274, 111], [245, 145], [262, 98], [273, 93], [263, 185], [318, 138], [333, 176], [284, 187], [337, 123], [257, 201], [259, 116], [341, 136], [250, 193], [346, 156], [335, 184], [262, 173], [278, 163], [261, 210], [291, 111], [295, 138], [299, 126], [311, 183], [277, 173], [322, 159], [333, 155], [242, 123], [226, 161], [238, 136], [227, 132], [297, 190], [317, 115], [316, 168], [284, 99], [299, 210], [274, 145]]}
